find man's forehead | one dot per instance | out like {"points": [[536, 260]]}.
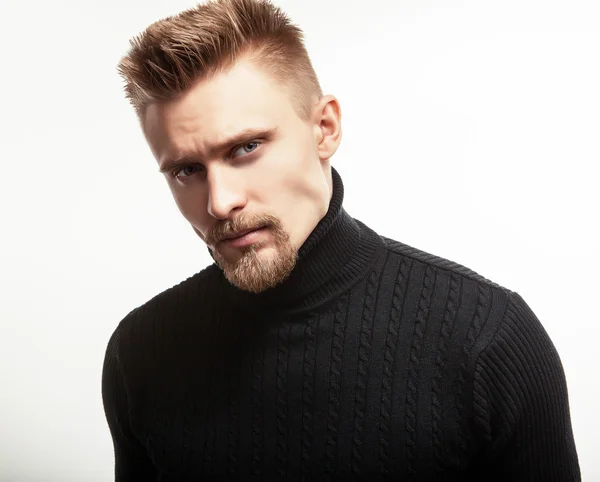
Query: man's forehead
{"points": [[221, 118], [172, 132]]}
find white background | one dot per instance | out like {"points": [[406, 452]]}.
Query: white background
{"points": [[471, 131]]}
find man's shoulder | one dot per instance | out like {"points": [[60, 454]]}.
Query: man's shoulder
{"points": [[479, 312], [173, 299], [439, 263], [439, 281]]}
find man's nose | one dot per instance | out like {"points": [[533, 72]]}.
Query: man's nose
{"points": [[226, 194]]}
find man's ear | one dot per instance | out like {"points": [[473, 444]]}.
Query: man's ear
{"points": [[328, 126]]}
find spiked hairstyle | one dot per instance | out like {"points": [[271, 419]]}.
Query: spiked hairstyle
{"points": [[174, 53]]}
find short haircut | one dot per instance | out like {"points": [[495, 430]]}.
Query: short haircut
{"points": [[174, 53]]}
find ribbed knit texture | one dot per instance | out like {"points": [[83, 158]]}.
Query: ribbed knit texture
{"points": [[372, 361]]}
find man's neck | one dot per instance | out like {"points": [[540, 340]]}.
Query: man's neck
{"points": [[337, 254]]}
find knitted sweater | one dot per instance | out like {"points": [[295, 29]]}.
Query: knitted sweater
{"points": [[372, 361]]}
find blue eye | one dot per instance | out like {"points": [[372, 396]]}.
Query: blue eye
{"points": [[247, 148], [187, 171]]}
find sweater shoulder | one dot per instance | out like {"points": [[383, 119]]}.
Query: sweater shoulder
{"points": [[483, 303], [439, 263], [169, 301]]}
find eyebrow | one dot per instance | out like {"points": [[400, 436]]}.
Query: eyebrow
{"points": [[229, 143]]}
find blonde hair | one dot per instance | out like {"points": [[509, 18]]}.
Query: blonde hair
{"points": [[174, 53]]}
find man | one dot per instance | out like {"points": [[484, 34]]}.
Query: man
{"points": [[313, 348]]}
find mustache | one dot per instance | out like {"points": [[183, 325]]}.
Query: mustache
{"points": [[242, 223]]}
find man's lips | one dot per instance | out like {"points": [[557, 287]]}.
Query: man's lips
{"points": [[239, 234], [242, 239]]}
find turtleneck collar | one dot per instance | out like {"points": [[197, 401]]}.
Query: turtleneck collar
{"points": [[338, 253]]}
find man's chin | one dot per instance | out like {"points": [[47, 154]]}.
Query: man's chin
{"points": [[252, 286], [231, 257], [258, 269]]}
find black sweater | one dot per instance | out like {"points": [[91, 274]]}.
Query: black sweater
{"points": [[372, 361]]}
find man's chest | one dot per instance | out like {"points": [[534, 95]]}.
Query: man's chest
{"points": [[327, 398]]}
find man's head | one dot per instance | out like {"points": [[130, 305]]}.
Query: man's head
{"points": [[233, 112]]}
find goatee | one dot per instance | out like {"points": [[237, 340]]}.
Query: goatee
{"points": [[257, 271]]}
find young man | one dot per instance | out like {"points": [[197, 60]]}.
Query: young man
{"points": [[313, 349]]}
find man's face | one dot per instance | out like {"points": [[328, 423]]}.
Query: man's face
{"points": [[273, 175]]}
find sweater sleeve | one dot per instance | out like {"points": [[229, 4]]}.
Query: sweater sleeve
{"points": [[131, 460], [521, 404]]}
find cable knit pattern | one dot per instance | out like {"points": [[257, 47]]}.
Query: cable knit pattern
{"points": [[282, 398], [449, 318], [308, 374], [479, 318], [233, 435], [333, 409], [364, 353], [210, 429], [413, 370], [389, 363], [372, 361], [257, 404]]}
